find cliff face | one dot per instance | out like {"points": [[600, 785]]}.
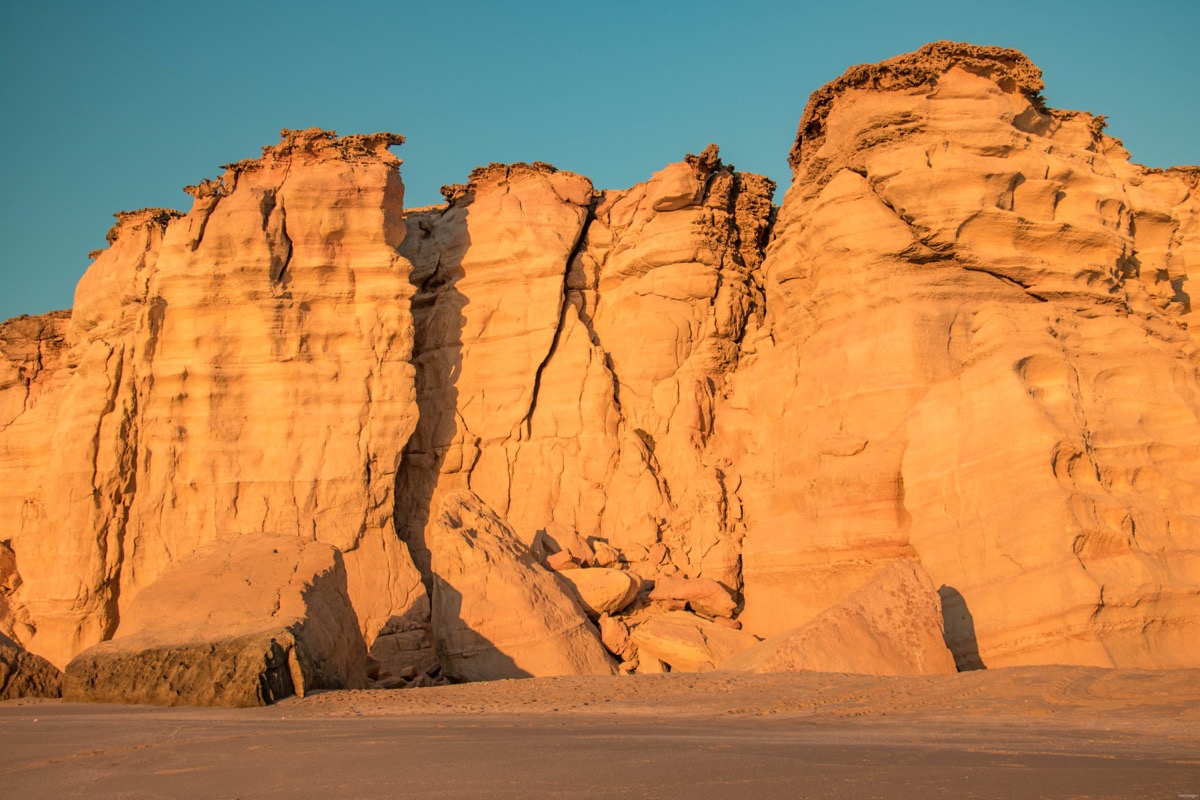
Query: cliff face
{"points": [[241, 369], [977, 351], [570, 349], [963, 340]]}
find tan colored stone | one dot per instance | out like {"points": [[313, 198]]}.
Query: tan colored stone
{"points": [[534, 389], [496, 612], [283, 626], [703, 596], [892, 625], [23, 674], [688, 643], [240, 369], [33, 374], [1000, 380], [614, 633], [601, 590], [606, 555], [993, 380], [561, 561]]}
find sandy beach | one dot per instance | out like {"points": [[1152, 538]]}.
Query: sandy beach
{"points": [[1012, 733]]}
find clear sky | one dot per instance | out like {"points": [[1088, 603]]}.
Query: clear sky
{"points": [[114, 105]]}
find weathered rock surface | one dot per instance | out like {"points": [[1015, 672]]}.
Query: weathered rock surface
{"points": [[704, 596], [537, 392], [892, 625], [688, 643], [601, 590], [240, 369], [23, 674], [283, 625], [497, 613], [966, 338], [33, 375], [1000, 378]]}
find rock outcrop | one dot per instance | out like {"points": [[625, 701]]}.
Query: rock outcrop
{"points": [[892, 625], [33, 374], [23, 674], [240, 369], [1000, 379], [964, 340], [682, 642], [245, 621], [497, 613]]}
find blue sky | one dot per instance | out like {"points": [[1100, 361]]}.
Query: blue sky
{"points": [[111, 106]]}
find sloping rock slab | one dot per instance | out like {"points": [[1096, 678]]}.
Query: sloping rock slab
{"points": [[23, 674], [704, 596], [892, 625], [688, 643], [497, 613], [245, 621]]}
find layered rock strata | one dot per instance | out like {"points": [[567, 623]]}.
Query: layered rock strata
{"points": [[241, 369], [999, 380], [964, 340]]}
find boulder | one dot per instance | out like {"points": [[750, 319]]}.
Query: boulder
{"points": [[497, 613], [24, 674], [245, 621], [601, 590], [688, 643], [614, 633], [890, 626], [704, 596]]}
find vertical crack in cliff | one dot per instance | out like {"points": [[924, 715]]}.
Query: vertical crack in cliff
{"points": [[526, 424], [279, 244]]}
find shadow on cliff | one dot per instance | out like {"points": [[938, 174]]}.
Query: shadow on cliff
{"points": [[467, 655], [959, 630], [435, 244]]}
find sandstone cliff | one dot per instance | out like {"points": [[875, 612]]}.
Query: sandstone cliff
{"points": [[963, 341], [240, 369], [999, 379]]}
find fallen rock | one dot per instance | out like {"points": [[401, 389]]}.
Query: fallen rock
{"points": [[688, 643], [606, 554], [601, 590], [614, 633], [890, 626], [561, 560], [559, 538], [24, 674], [283, 626], [704, 596], [496, 612]]}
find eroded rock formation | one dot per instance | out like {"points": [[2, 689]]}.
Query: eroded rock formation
{"points": [[241, 369], [23, 674], [891, 625], [963, 341], [496, 612], [1000, 379], [244, 621]]}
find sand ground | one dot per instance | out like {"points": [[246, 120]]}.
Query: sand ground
{"points": [[1014, 733]]}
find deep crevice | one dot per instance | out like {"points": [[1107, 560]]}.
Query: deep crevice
{"points": [[564, 304]]}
